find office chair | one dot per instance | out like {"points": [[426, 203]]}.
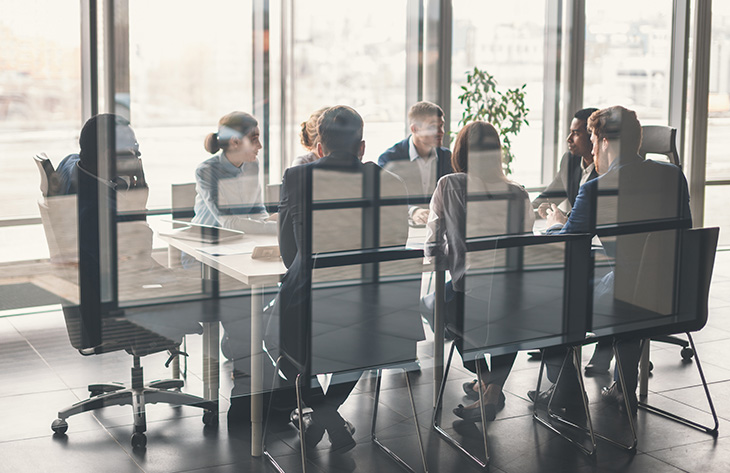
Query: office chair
{"points": [[699, 247], [119, 332], [659, 139]]}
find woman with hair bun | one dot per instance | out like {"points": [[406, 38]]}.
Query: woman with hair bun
{"points": [[309, 138], [229, 193]]}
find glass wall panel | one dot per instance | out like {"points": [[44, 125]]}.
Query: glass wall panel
{"points": [[718, 126], [627, 57], [366, 69], [40, 112], [183, 80], [509, 44], [184, 75]]}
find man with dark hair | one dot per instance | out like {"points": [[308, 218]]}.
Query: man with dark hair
{"points": [[420, 160], [629, 189], [576, 167], [339, 174], [129, 170]]}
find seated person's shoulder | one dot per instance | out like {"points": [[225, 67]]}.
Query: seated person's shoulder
{"points": [[66, 175], [398, 151]]}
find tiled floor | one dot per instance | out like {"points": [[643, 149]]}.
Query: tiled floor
{"points": [[40, 373]]}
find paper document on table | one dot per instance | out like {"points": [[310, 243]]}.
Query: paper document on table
{"points": [[238, 248]]}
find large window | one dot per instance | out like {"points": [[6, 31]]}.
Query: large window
{"points": [[366, 69], [183, 80], [718, 130], [509, 44], [627, 57], [179, 69], [40, 110]]}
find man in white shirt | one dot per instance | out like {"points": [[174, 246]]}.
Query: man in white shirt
{"points": [[420, 160]]}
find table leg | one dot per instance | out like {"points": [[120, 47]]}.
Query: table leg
{"points": [[438, 334], [211, 370], [257, 370], [644, 370]]}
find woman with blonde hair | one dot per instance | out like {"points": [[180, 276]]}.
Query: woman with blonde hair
{"points": [[309, 138]]}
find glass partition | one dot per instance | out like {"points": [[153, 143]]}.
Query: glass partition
{"points": [[509, 43], [718, 164], [627, 57]]}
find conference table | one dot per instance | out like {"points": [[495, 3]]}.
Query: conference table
{"points": [[233, 257]]}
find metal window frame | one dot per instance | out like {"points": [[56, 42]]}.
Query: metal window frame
{"points": [[553, 64], [696, 142]]}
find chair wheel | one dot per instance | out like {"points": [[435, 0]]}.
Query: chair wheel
{"points": [[139, 440], [687, 353], [651, 367], [210, 418], [59, 426]]}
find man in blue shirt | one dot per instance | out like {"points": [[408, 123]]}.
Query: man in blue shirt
{"points": [[629, 189]]}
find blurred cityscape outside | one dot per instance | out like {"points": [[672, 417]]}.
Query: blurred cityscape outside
{"points": [[186, 73]]}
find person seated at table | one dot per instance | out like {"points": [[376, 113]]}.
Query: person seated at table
{"points": [[229, 191], [456, 213], [628, 189], [420, 160], [130, 174], [309, 138], [338, 174], [576, 168]]}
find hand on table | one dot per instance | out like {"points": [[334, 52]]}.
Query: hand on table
{"points": [[555, 216]]}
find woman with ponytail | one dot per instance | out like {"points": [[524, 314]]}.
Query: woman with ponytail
{"points": [[229, 193]]}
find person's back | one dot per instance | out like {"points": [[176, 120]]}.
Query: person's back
{"points": [[337, 179]]}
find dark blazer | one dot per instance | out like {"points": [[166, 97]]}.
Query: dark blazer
{"points": [[397, 160], [632, 190], [399, 152], [566, 181], [338, 177]]}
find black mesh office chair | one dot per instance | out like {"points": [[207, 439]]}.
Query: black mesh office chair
{"points": [[690, 313], [103, 328], [120, 332]]}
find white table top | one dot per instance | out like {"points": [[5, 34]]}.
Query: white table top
{"points": [[239, 266]]}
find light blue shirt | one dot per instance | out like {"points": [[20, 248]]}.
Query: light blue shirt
{"points": [[230, 196]]}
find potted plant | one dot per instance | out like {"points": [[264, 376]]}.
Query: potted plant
{"points": [[506, 111]]}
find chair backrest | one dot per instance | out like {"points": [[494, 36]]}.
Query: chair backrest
{"points": [[699, 246], [673, 275], [539, 303], [183, 201], [50, 183], [338, 311], [658, 139]]}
